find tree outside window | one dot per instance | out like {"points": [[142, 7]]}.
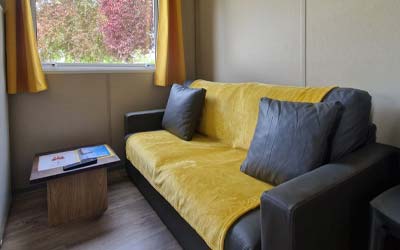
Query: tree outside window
{"points": [[96, 31]]}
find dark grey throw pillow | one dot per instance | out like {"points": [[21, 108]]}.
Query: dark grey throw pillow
{"points": [[290, 139], [183, 111]]}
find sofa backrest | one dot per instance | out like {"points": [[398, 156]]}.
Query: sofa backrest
{"points": [[355, 128], [231, 109]]}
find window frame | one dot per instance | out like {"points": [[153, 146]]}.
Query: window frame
{"points": [[58, 68]]}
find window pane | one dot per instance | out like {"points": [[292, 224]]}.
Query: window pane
{"points": [[96, 31]]}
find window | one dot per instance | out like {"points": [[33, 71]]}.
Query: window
{"points": [[93, 32]]}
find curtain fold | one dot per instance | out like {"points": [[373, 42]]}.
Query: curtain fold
{"points": [[170, 57], [24, 69]]}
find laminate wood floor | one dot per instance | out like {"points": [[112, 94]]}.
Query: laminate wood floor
{"points": [[128, 223]]}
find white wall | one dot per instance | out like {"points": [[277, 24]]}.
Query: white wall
{"points": [[77, 109], [4, 141], [256, 40], [351, 43], [356, 43]]}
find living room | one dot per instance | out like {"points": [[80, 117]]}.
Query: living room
{"points": [[101, 73]]}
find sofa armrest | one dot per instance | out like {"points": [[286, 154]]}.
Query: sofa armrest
{"points": [[328, 208], [143, 121]]}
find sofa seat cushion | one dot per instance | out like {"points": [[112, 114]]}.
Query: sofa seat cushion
{"points": [[201, 179]]}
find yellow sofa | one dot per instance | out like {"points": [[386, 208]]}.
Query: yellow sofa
{"points": [[200, 193], [201, 178]]}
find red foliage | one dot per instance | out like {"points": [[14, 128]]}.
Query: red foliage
{"points": [[127, 26]]}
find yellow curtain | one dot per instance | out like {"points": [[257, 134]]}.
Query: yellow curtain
{"points": [[24, 69], [170, 61]]}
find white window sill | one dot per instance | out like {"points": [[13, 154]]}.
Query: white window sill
{"points": [[93, 69]]}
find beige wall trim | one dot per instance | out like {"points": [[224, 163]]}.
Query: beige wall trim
{"points": [[99, 69], [5, 176], [303, 28], [110, 139], [196, 20]]}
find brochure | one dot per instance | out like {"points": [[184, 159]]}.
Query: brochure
{"points": [[94, 152], [57, 160]]}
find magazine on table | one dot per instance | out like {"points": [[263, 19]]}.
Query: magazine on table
{"points": [[69, 157]]}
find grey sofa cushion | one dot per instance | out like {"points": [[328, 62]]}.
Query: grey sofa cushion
{"points": [[290, 139], [183, 111], [355, 128]]}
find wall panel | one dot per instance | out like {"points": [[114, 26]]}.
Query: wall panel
{"points": [[356, 43], [72, 112], [130, 93], [351, 43], [257, 40], [5, 186]]}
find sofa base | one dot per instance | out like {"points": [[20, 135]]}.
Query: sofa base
{"points": [[182, 231]]}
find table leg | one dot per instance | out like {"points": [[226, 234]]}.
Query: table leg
{"points": [[378, 233], [77, 196]]}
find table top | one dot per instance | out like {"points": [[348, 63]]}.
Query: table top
{"points": [[388, 203], [44, 175]]}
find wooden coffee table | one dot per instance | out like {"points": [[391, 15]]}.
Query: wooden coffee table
{"points": [[76, 194]]}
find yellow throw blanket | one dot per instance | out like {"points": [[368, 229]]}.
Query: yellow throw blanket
{"points": [[201, 178], [231, 109]]}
